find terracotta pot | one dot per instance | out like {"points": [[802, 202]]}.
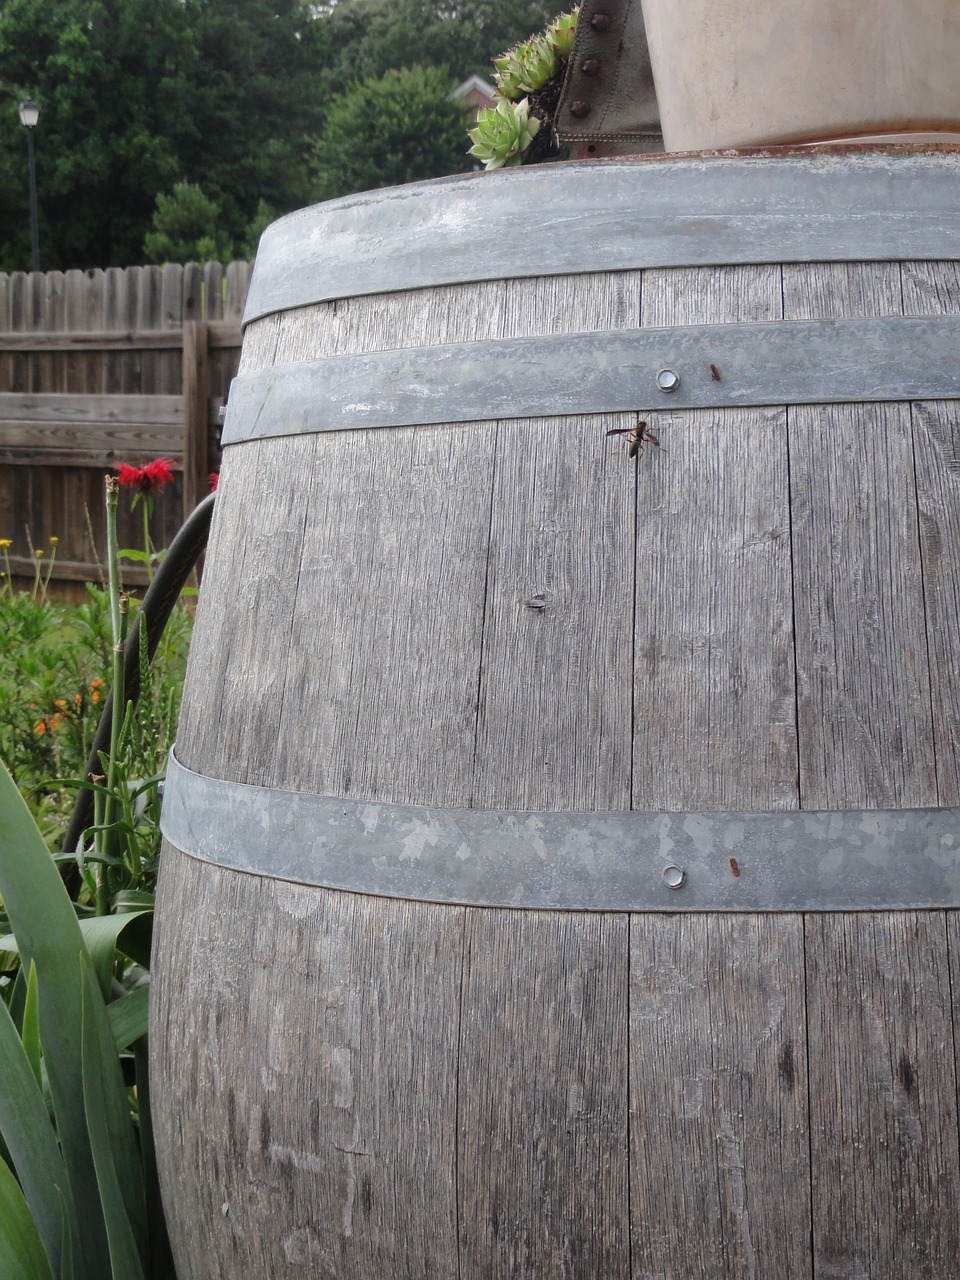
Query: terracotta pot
{"points": [[734, 73]]}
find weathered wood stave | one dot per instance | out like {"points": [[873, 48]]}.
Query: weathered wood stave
{"points": [[357, 1086]]}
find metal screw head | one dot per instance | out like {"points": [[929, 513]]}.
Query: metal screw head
{"points": [[590, 66], [579, 109], [674, 877], [600, 22], [668, 380]]}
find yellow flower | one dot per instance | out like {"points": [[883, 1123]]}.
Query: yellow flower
{"points": [[5, 542], [54, 541], [38, 554]]}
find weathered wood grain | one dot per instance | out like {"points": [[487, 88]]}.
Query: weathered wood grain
{"points": [[883, 1088], [320, 1044], [718, 1100], [553, 723], [516, 614], [93, 409], [77, 334], [543, 1183], [934, 289], [864, 690], [714, 690], [554, 714]]}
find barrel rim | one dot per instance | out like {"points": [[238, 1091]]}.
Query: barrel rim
{"points": [[611, 215]]}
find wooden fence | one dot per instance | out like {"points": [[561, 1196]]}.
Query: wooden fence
{"points": [[98, 368]]}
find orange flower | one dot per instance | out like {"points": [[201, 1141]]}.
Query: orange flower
{"points": [[40, 727]]}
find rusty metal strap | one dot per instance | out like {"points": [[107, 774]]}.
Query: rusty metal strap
{"points": [[610, 215], [870, 860], [611, 371]]}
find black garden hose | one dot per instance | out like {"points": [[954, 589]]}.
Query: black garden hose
{"points": [[154, 613]]}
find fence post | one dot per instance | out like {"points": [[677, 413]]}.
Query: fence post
{"points": [[196, 399]]}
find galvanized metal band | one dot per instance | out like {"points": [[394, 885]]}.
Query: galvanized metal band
{"points": [[779, 362], [610, 215], [873, 860]]}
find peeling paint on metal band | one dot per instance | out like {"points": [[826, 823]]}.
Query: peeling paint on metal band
{"points": [[608, 371], [870, 860], [588, 216]]}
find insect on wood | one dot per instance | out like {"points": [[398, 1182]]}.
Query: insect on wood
{"points": [[635, 437]]}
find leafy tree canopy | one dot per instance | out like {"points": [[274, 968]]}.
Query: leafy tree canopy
{"points": [[399, 127], [186, 228], [230, 96]]}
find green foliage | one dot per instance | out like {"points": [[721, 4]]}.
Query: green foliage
{"points": [[137, 95], [230, 96], [503, 133], [186, 228], [399, 127], [79, 1198], [72, 1136], [54, 675], [366, 38], [525, 68], [561, 33]]}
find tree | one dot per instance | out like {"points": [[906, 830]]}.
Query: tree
{"points": [[137, 95], [186, 228], [399, 127], [228, 95], [368, 37]]}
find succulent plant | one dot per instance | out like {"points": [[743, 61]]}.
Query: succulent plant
{"points": [[561, 32], [525, 68], [503, 133]]}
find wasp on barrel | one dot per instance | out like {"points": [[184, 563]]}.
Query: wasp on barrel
{"points": [[636, 437]]}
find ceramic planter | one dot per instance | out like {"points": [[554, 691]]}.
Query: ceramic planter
{"points": [[740, 73]]}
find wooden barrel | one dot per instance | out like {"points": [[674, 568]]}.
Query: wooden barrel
{"points": [[562, 860]]}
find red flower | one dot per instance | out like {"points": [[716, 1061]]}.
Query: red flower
{"points": [[146, 479], [213, 479]]}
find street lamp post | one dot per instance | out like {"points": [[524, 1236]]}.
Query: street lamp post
{"points": [[29, 115]]}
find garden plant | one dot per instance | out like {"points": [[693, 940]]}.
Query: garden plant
{"points": [[78, 1191]]}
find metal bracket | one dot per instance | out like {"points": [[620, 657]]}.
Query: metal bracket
{"points": [[871, 860], [606, 371]]}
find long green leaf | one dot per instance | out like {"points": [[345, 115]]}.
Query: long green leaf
{"points": [[102, 935], [21, 1249], [30, 1031], [102, 1084], [28, 1133], [42, 917], [128, 1021]]}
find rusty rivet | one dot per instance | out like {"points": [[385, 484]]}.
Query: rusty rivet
{"points": [[590, 66], [600, 21], [579, 109]]}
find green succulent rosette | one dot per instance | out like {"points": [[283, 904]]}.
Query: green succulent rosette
{"points": [[503, 133], [561, 32]]}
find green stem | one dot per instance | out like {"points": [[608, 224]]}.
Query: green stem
{"points": [[118, 618], [147, 544], [98, 869]]}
